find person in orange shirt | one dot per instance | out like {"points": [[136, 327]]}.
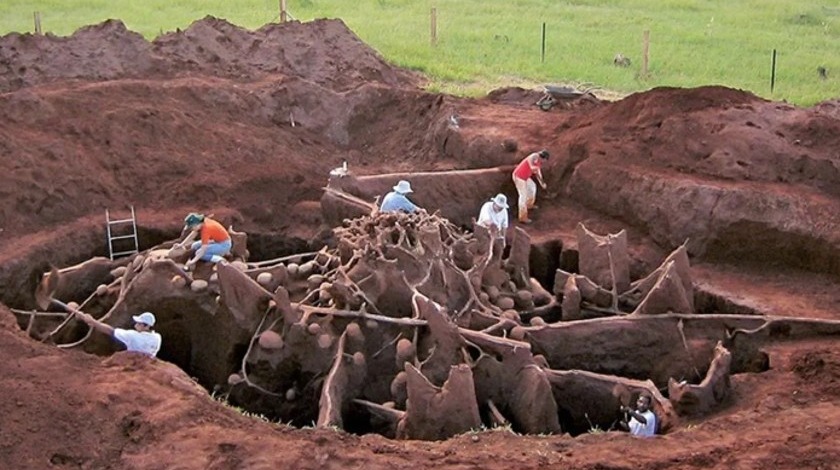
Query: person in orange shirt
{"points": [[523, 178], [215, 241]]}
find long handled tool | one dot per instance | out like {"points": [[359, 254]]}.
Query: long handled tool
{"points": [[44, 297], [46, 288]]}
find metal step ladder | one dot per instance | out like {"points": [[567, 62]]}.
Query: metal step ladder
{"points": [[127, 229]]}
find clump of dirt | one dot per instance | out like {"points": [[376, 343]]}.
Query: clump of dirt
{"points": [[324, 52], [819, 369]]}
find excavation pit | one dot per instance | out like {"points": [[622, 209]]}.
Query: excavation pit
{"points": [[404, 319]]}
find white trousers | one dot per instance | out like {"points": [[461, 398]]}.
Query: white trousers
{"points": [[527, 190]]}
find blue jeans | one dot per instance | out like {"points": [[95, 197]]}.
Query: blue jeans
{"points": [[213, 249]]}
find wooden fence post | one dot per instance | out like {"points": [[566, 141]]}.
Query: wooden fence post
{"points": [[773, 72], [645, 52], [283, 14], [542, 45], [37, 22], [433, 15]]}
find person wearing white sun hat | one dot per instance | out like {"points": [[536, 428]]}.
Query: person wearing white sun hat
{"points": [[494, 215], [141, 339], [397, 201]]}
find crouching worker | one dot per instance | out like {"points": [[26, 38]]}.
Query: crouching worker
{"points": [[397, 200], [141, 339], [641, 421], [494, 215], [214, 243]]}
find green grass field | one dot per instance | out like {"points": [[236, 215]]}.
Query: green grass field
{"points": [[484, 44]]}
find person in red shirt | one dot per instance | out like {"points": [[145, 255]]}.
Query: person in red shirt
{"points": [[523, 178], [214, 243]]}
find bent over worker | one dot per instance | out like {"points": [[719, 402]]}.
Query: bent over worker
{"points": [[494, 215], [523, 178], [214, 241], [141, 339], [397, 200]]}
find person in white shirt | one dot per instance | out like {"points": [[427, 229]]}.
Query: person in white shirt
{"points": [[397, 200], [642, 421], [494, 215], [141, 339]]}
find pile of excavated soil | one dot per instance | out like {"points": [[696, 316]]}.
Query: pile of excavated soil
{"points": [[247, 125]]}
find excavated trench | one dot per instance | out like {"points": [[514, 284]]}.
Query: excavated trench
{"points": [[411, 327]]}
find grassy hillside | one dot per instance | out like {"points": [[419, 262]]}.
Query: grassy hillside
{"points": [[483, 44]]}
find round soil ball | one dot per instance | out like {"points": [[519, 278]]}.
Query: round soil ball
{"points": [[271, 340], [73, 305], [314, 281], [512, 315], [372, 324], [199, 285], [291, 394], [179, 281], [325, 340], [537, 321], [313, 328], [293, 269], [214, 277], [492, 293], [264, 279], [234, 379], [102, 289], [524, 297], [324, 295], [517, 333], [405, 351], [505, 303], [354, 332], [359, 358], [117, 272], [307, 268]]}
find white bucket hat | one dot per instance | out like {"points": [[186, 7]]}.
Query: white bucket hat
{"points": [[147, 318], [500, 200], [403, 187]]}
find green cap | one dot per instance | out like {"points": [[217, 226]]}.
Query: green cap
{"points": [[193, 219]]}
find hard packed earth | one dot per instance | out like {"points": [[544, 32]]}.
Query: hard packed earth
{"points": [[687, 245]]}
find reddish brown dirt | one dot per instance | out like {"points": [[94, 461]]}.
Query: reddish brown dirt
{"points": [[248, 124]]}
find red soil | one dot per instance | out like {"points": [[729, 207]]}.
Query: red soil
{"points": [[248, 124]]}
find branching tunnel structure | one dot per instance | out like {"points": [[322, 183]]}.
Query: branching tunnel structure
{"points": [[424, 326]]}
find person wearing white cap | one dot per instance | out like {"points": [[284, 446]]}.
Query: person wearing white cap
{"points": [[397, 201], [141, 339], [494, 215]]}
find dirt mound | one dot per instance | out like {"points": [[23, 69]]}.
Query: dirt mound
{"points": [[820, 369], [325, 52]]}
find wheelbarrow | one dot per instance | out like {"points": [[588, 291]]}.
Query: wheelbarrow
{"points": [[553, 93]]}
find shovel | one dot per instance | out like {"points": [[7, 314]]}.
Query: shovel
{"points": [[46, 288], [44, 297]]}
